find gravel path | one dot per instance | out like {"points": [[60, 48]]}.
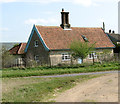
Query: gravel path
{"points": [[101, 89], [77, 74]]}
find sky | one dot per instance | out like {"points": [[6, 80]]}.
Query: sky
{"points": [[18, 16]]}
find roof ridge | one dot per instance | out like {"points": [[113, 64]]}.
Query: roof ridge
{"points": [[71, 27], [87, 27]]}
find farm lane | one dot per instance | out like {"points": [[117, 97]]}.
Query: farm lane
{"points": [[76, 74], [101, 89]]}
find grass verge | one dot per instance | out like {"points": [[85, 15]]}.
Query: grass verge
{"points": [[38, 89], [40, 71]]}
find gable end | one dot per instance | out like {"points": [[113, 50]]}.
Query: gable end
{"points": [[41, 39]]}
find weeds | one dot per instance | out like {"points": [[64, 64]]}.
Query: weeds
{"points": [[41, 70], [42, 90]]}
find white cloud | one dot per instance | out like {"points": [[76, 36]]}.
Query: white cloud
{"points": [[79, 2], [7, 1], [82, 2], [51, 21]]}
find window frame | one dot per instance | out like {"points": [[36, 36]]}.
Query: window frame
{"points": [[36, 58], [66, 57], [91, 54], [36, 45]]}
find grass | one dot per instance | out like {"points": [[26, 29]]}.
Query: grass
{"points": [[38, 89], [40, 71]]}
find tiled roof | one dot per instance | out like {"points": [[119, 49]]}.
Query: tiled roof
{"points": [[58, 38], [114, 37], [19, 49]]}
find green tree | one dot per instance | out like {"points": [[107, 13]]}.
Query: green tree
{"points": [[81, 49], [7, 58]]}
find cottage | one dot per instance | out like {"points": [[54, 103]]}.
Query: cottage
{"points": [[115, 38], [19, 54], [50, 44]]}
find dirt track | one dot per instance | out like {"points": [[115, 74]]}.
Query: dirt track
{"points": [[101, 89]]}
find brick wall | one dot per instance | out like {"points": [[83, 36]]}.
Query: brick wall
{"points": [[40, 51]]}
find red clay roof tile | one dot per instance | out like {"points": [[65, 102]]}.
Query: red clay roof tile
{"points": [[57, 38], [19, 49]]}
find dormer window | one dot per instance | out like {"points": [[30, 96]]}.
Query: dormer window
{"points": [[85, 39], [36, 43]]}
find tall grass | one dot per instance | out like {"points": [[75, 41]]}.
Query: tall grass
{"points": [[39, 71]]}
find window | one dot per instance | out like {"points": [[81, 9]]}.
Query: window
{"points": [[37, 58], [65, 57], [36, 43], [118, 43], [85, 39], [93, 54]]}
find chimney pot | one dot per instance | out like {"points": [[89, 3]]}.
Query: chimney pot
{"points": [[109, 31], [113, 31], [62, 9]]}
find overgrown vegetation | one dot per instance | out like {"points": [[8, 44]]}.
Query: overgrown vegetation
{"points": [[67, 69], [39, 89], [7, 58], [105, 56], [81, 49]]}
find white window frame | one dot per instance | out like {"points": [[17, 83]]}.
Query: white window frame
{"points": [[118, 43], [36, 58], [65, 57], [36, 43], [91, 54]]}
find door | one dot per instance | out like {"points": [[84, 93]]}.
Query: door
{"points": [[79, 61]]}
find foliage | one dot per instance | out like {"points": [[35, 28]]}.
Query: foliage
{"points": [[7, 58], [16, 44], [39, 71], [30, 61], [105, 56], [81, 49]]}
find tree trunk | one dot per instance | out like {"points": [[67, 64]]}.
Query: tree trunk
{"points": [[49, 59], [93, 58], [71, 61], [82, 60]]}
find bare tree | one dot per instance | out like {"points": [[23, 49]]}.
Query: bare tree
{"points": [[7, 58]]}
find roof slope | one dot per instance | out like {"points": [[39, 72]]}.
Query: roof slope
{"points": [[19, 49], [114, 37], [58, 38]]}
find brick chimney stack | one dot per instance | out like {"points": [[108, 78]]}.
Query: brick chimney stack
{"points": [[65, 20]]}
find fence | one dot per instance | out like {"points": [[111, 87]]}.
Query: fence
{"points": [[17, 62]]}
